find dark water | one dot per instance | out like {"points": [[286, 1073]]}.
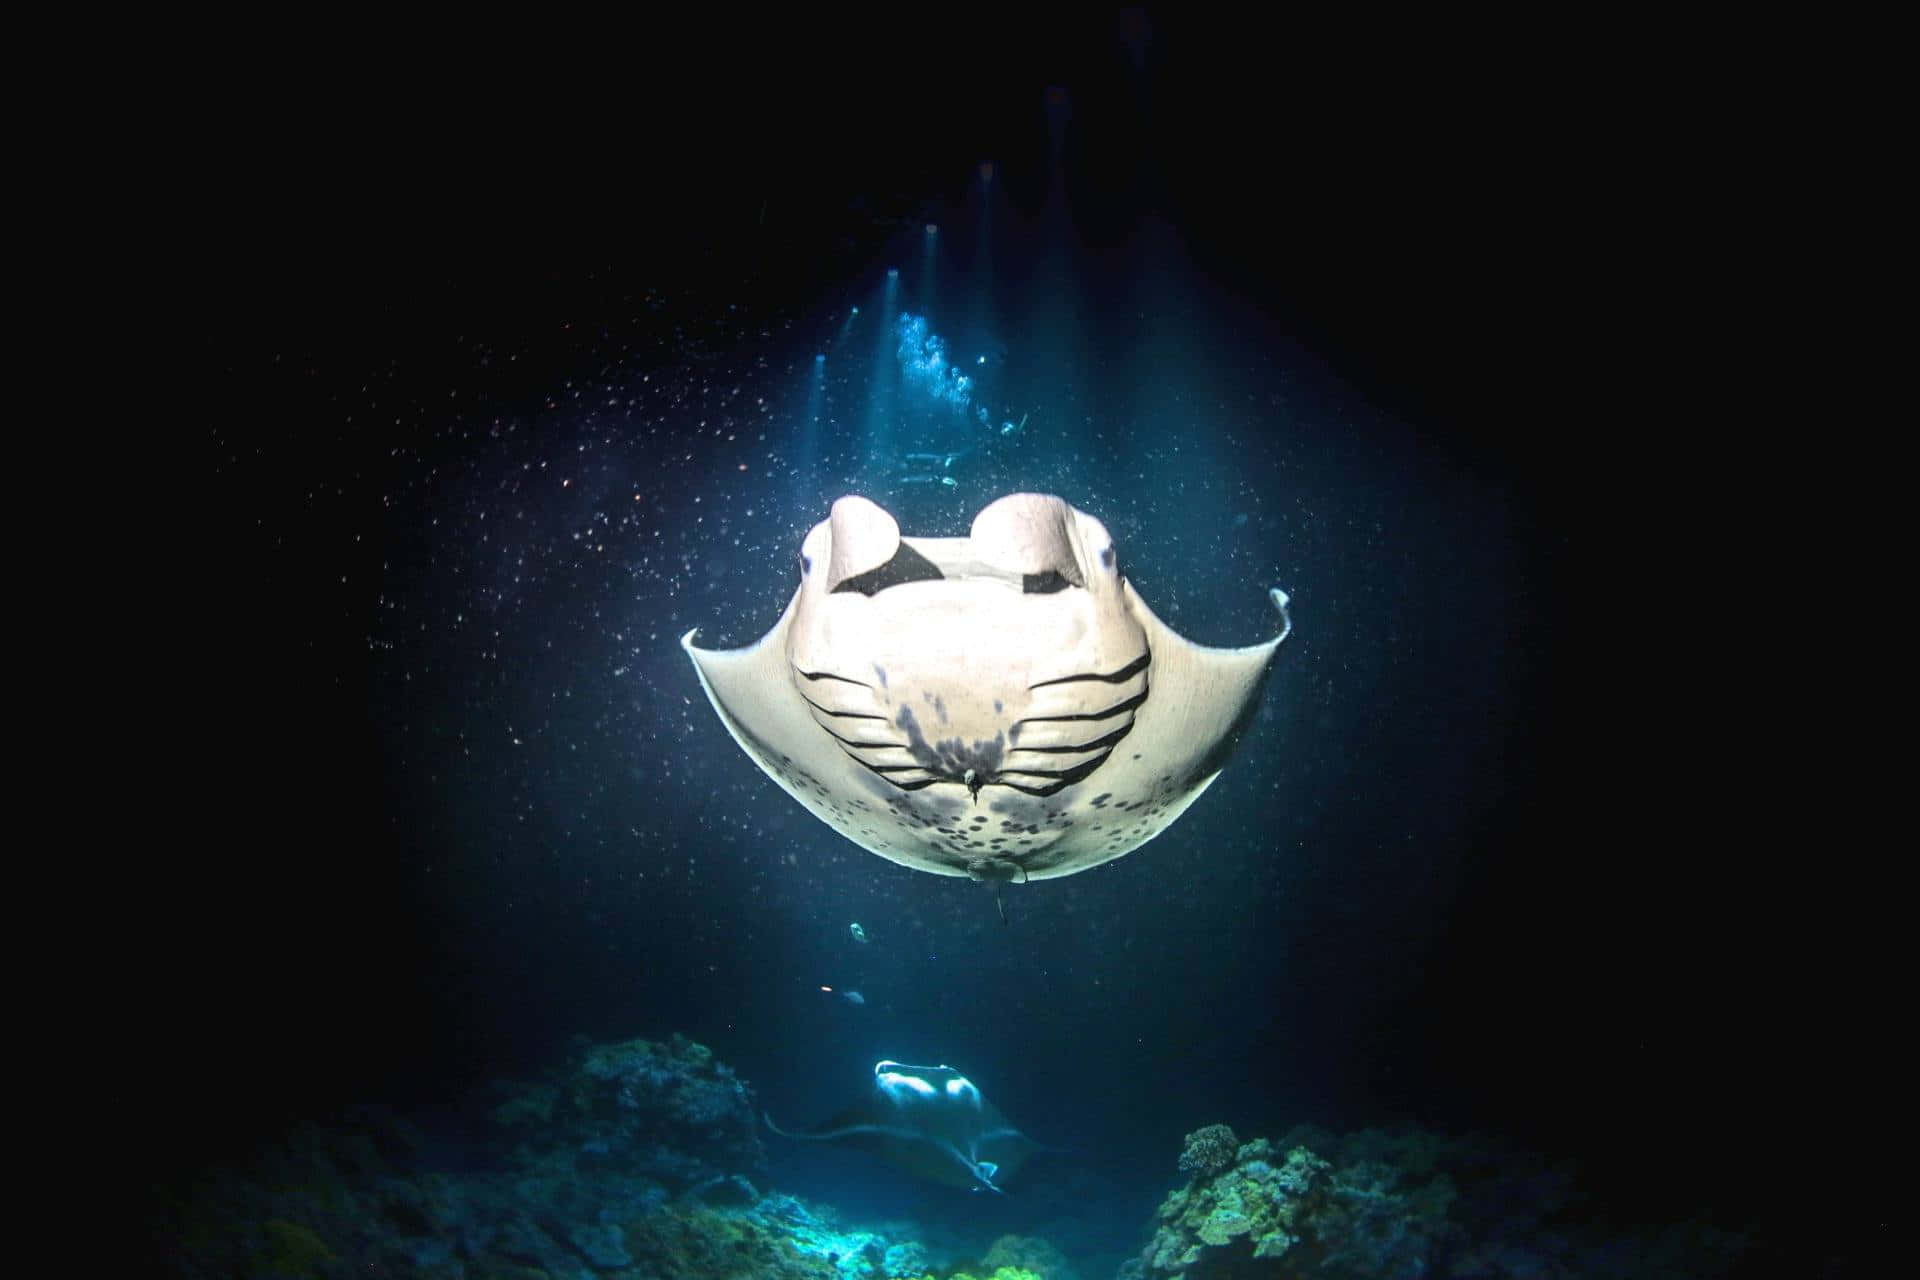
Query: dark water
{"points": [[472, 802]]}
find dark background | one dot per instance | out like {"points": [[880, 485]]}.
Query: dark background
{"points": [[1598, 967]]}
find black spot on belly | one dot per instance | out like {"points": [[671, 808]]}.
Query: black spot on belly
{"points": [[950, 758]]}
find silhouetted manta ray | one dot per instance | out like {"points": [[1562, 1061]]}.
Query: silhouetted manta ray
{"points": [[932, 1122], [998, 706]]}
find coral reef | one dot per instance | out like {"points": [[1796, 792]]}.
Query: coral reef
{"points": [[638, 1162]]}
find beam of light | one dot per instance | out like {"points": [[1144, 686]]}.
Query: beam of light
{"points": [[807, 465], [978, 284], [883, 376], [929, 261]]}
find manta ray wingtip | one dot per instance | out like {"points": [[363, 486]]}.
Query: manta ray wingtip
{"points": [[1280, 601], [686, 641]]}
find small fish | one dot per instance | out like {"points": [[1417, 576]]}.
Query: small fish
{"points": [[853, 997], [946, 460], [859, 934]]}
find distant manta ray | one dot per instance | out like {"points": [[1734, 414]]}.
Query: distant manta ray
{"points": [[931, 1122]]}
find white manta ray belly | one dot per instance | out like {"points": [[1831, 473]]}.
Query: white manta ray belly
{"points": [[1004, 696], [927, 682]]}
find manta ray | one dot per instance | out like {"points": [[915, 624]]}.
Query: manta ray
{"points": [[1001, 706], [932, 1122]]}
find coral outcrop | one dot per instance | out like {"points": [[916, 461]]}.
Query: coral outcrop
{"points": [[1028, 1254], [1372, 1204], [1209, 1150], [664, 1111], [1257, 1204]]}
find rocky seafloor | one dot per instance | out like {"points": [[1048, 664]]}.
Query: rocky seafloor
{"points": [[642, 1160]]}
